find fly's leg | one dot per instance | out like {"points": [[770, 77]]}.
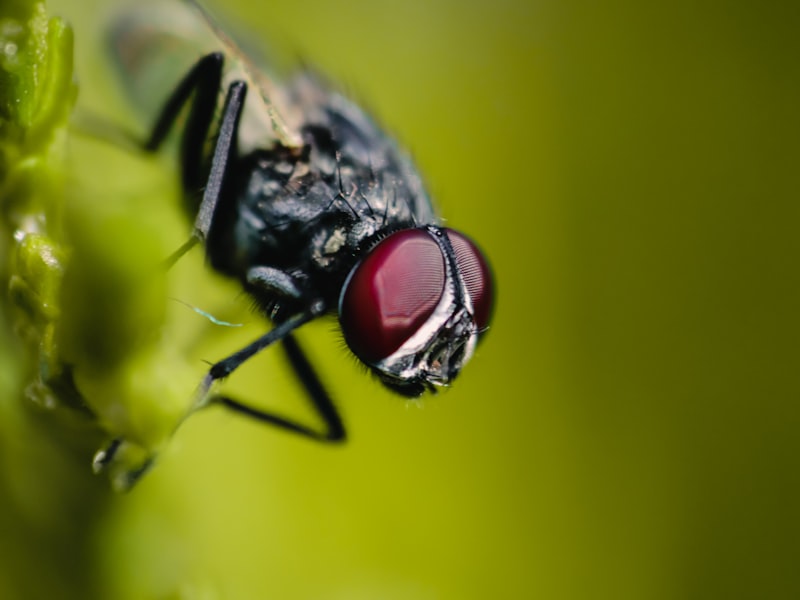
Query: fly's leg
{"points": [[224, 154], [275, 283], [201, 86], [105, 456], [334, 429], [307, 375], [123, 474]]}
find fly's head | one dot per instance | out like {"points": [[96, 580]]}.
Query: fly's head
{"points": [[415, 306]]}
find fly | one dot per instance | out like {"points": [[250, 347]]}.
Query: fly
{"points": [[298, 195]]}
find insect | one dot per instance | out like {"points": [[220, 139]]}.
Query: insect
{"points": [[298, 195]]}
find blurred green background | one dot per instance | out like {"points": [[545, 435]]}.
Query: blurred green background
{"points": [[629, 428]]}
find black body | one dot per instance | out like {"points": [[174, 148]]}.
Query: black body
{"points": [[288, 222], [302, 214]]}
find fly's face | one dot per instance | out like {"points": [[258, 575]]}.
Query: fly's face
{"points": [[414, 307]]}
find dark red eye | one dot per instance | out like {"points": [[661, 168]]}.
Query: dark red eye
{"points": [[391, 293], [477, 276]]}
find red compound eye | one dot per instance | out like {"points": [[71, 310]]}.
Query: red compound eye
{"points": [[391, 293], [477, 276]]}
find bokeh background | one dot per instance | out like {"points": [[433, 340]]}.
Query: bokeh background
{"points": [[629, 428]]}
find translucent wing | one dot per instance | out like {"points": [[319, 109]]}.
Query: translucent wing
{"points": [[156, 45]]}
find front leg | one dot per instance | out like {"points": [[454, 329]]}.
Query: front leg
{"points": [[334, 429], [224, 155], [201, 85]]}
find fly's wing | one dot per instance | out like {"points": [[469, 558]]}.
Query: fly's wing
{"points": [[155, 45]]}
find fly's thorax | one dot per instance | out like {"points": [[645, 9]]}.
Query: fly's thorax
{"points": [[297, 220], [314, 210]]}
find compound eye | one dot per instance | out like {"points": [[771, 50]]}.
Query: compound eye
{"points": [[391, 293], [477, 276]]}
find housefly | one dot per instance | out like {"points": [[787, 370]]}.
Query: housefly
{"points": [[298, 195]]}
